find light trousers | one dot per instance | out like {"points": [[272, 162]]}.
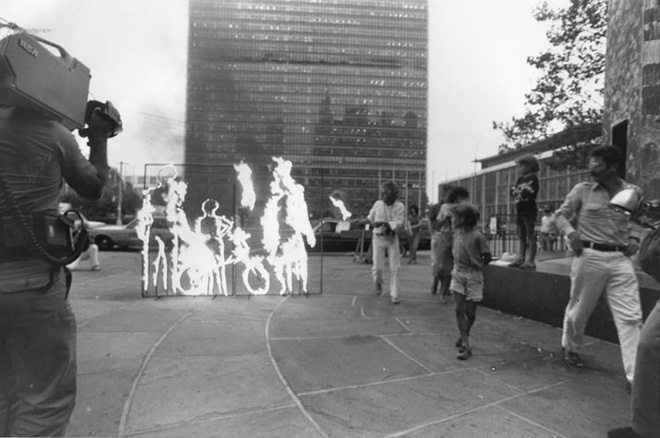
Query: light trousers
{"points": [[382, 246], [91, 254], [593, 273]]}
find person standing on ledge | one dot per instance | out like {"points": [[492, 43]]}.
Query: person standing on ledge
{"points": [[602, 241], [524, 192]]}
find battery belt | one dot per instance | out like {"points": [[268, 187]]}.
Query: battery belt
{"points": [[13, 244]]}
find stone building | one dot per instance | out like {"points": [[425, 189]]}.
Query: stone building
{"points": [[632, 89]]}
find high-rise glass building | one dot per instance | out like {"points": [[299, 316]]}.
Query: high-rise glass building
{"points": [[338, 87]]}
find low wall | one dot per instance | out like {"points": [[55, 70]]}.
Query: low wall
{"points": [[542, 295]]}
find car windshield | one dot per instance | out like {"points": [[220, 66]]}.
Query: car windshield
{"points": [[133, 223]]}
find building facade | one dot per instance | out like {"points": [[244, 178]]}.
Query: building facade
{"points": [[490, 187], [489, 190], [337, 87], [632, 89]]}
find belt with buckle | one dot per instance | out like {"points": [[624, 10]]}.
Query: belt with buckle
{"points": [[603, 246]]}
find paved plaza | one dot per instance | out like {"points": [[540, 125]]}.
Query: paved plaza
{"points": [[340, 362]]}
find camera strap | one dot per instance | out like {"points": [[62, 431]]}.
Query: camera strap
{"points": [[49, 237]]}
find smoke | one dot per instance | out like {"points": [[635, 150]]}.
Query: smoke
{"points": [[136, 51]]}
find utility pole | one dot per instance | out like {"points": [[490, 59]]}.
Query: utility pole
{"points": [[120, 189]]}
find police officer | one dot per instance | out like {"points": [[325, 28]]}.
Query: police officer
{"points": [[37, 325]]}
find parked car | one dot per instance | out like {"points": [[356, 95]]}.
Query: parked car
{"points": [[333, 235], [108, 237]]}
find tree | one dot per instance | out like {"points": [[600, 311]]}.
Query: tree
{"points": [[569, 91], [106, 207]]}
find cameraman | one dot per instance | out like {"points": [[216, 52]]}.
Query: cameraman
{"points": [[37, 325]]}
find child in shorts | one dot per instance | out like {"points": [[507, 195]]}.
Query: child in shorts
{"points": [[471, 254]]}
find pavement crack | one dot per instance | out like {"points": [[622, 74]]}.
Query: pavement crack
{"points": [[143, 367], [284, 382], [495, 403], [527, 420], [418, 363]]}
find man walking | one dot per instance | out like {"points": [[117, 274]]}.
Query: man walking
{"points": [[602, 241], [386, 218]]}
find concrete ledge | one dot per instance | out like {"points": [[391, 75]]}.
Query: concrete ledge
{"points": [[542, 295]]}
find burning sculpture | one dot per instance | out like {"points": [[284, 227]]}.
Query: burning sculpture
{"points": [[194, 260]]}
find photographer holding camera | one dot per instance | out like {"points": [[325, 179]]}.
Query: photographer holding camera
{"points": [[387, 217], [37, 325]]}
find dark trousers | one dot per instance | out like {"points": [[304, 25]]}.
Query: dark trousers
{"points": [[37, 361], [646, 385], [526, 239]]}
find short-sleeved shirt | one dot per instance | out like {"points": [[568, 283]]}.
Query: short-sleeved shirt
{"points": [[526, 189], [37, 155], [586, 210], [413, 224], [394, 214], [467, 248], [548, 225]]}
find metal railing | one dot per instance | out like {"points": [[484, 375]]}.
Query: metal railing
{"points": [[505, 241]]}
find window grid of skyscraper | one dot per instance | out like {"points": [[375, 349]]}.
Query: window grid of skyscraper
{"points": [[339, 87]]}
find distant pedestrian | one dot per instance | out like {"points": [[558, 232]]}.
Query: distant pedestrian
{"points": [[435, 230], [443, 262], [414, 232], [471, 254], [91, 253], [602, 241], [386, 217], [524, 192], [549, 231]]}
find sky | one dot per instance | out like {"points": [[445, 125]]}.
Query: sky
{"points": [[136, 51]]}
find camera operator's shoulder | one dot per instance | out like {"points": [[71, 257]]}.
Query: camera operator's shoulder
{"points": [[62, 134]]}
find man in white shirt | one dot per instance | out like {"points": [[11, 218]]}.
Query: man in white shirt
{"points": [[387, 217]]}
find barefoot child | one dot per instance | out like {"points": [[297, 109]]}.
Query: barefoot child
{"points": [[471, 254]]}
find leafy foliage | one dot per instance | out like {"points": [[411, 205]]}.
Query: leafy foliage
{"points": [[105, 209], [569, 91]]}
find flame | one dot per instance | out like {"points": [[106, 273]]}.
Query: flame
{"points": [[244, 176], [345, 214], [196, 263], [285, 248], [253, 265]]}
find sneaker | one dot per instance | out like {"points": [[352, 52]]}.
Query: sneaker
{"points": [[516, 264], [379, 289], [572, 359], [395, 300], [96, 268], [464, 353], [528, 266]]}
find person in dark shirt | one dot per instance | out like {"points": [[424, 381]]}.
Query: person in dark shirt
{"points": [[414, 232], [37, 324], [524, 192]]}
